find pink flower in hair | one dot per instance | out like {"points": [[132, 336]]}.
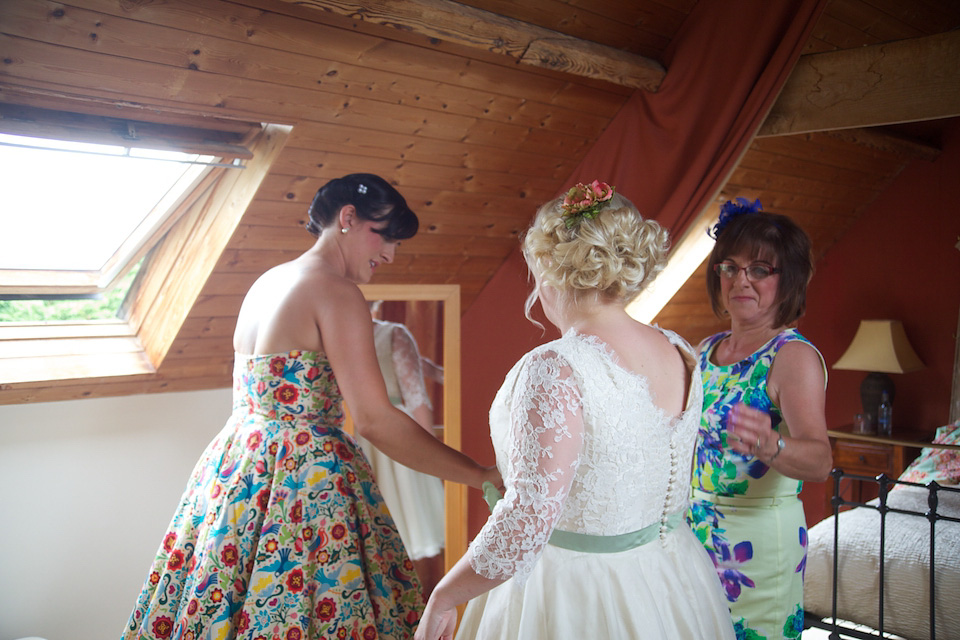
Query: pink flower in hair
{"points": [[585, 201]]}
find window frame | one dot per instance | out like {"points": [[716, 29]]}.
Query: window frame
{"points": [[176, 268]]}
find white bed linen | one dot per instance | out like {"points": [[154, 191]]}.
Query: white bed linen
{"points": [[906, 577]]}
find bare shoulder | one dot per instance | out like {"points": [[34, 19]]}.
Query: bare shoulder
{"points": [[798, 360], [800, 353]]}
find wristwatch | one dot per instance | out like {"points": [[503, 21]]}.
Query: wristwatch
{"points": [[780, 445]]}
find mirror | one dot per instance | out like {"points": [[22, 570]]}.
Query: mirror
{"points": [[445, 351]]}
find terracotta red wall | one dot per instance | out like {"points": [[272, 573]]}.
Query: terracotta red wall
{"points": [[898, 261]]}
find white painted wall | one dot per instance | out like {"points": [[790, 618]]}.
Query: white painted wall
{"points": [[87, 488]]}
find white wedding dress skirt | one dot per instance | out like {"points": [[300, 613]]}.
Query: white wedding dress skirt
{"points": [[664, 591], [415, 501], [584, 449]]}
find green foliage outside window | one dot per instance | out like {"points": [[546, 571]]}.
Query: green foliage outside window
{"points": [[103, 308]]}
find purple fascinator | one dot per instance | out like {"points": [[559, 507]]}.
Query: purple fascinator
{"points": [[730, 209]]}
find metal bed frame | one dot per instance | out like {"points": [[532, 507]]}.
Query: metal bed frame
{"points": [[884, 485]]}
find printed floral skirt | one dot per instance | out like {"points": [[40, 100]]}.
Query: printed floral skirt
{"points": [[281, 535], [760, 557]]}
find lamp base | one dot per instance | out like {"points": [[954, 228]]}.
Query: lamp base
{"points": [[871, 390]]}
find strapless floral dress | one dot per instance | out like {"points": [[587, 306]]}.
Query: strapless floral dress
{"points": [[282, 533]]}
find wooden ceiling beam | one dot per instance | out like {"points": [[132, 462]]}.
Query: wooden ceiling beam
{"points": [[883, 84], [525, 43]]}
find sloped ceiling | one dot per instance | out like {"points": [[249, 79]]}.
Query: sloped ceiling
{"points": [[472, 134]]}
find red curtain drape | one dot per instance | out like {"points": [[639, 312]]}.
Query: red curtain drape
{"points": [[671, 151]]}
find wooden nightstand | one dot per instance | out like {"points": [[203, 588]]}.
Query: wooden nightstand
{"points": [[867, 456]]}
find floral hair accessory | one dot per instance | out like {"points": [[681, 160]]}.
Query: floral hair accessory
{"points": [[729, 210], [362, 188], [585, 201]]}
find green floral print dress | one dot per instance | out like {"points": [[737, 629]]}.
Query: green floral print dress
{"points": [[747, 515], [281, 533]]}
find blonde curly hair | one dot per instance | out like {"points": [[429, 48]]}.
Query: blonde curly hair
{"points": [[613, 256]]}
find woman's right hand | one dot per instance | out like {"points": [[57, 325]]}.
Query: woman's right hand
{"points": [[492, 475], [437, 623]]}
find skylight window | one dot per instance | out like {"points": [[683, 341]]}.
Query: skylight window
{"points": [[86, 198], [72, 206], [168, 215]]}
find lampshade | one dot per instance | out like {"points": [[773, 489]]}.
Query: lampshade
{"points": [[880, 345]]}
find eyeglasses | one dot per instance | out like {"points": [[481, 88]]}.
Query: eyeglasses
{"points": [[754, 272]]}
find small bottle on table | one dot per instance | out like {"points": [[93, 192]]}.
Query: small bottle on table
{"points": [[885, 416]]}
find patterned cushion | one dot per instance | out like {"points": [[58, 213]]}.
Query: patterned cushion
{"points": [[942, 465]]}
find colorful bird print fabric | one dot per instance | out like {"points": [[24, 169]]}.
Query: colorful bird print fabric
{"points": [[281, 533]]}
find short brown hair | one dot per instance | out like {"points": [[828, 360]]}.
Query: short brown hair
{"points": [[772, 237]]}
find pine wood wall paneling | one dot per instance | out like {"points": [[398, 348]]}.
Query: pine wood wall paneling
{"points": [[276, 213], [215, 305], [811, 168], [320, 136], [877, 27], [828, 151], [213, 327], [234, 259], [247, 97], [271, 238], [321, 166], [204, 347], [473, 225], [268, 47], [228, 283], [485, 33]]}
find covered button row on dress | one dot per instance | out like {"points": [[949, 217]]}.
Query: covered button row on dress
{"points": [[671, 485]]}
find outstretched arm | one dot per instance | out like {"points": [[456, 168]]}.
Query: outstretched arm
{"points": [[347, 332], [546, 438]]}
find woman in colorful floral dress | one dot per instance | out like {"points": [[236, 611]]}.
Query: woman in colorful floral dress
{"points": [[763, 429], [282, 533]]}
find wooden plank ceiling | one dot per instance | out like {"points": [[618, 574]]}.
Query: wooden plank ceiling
{"points": [[439, 98]]}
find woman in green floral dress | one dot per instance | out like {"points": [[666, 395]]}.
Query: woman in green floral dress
{"points": [[763, 429], [282, 533]]}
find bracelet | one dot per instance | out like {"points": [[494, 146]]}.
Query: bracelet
{"points": [[780, 445]]}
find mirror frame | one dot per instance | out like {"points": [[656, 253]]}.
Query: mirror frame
{"points": [[454, 494]]}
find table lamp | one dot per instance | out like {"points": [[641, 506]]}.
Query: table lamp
{"points": [[880, 347]]}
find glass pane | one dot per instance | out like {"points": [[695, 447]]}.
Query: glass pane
{"points": [[69, 206], [98, 307]]}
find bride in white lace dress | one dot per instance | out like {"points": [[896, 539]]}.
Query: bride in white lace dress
{"points": [[594, 434]]}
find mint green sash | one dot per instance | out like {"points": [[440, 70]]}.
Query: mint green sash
{"points": [[587, 543]]}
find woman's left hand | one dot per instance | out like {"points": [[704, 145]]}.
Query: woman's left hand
{"points": [[750, 431], [437, 623]]}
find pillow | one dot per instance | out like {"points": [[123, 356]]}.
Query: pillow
{"points": [[942, 465]]}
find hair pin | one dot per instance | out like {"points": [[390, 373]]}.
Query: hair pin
{"points": [[730, 210]]}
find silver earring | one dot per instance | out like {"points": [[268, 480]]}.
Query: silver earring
{"points": [[344, 230]]}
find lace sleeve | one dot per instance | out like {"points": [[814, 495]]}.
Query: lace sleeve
{"points": [[546, 437], [406, 365]]}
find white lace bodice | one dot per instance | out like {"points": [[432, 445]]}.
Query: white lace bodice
{"points": [[582, 447], [400, 365]]}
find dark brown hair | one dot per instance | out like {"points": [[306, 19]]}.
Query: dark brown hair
{"points": [[776, 239], [374, 199]]}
